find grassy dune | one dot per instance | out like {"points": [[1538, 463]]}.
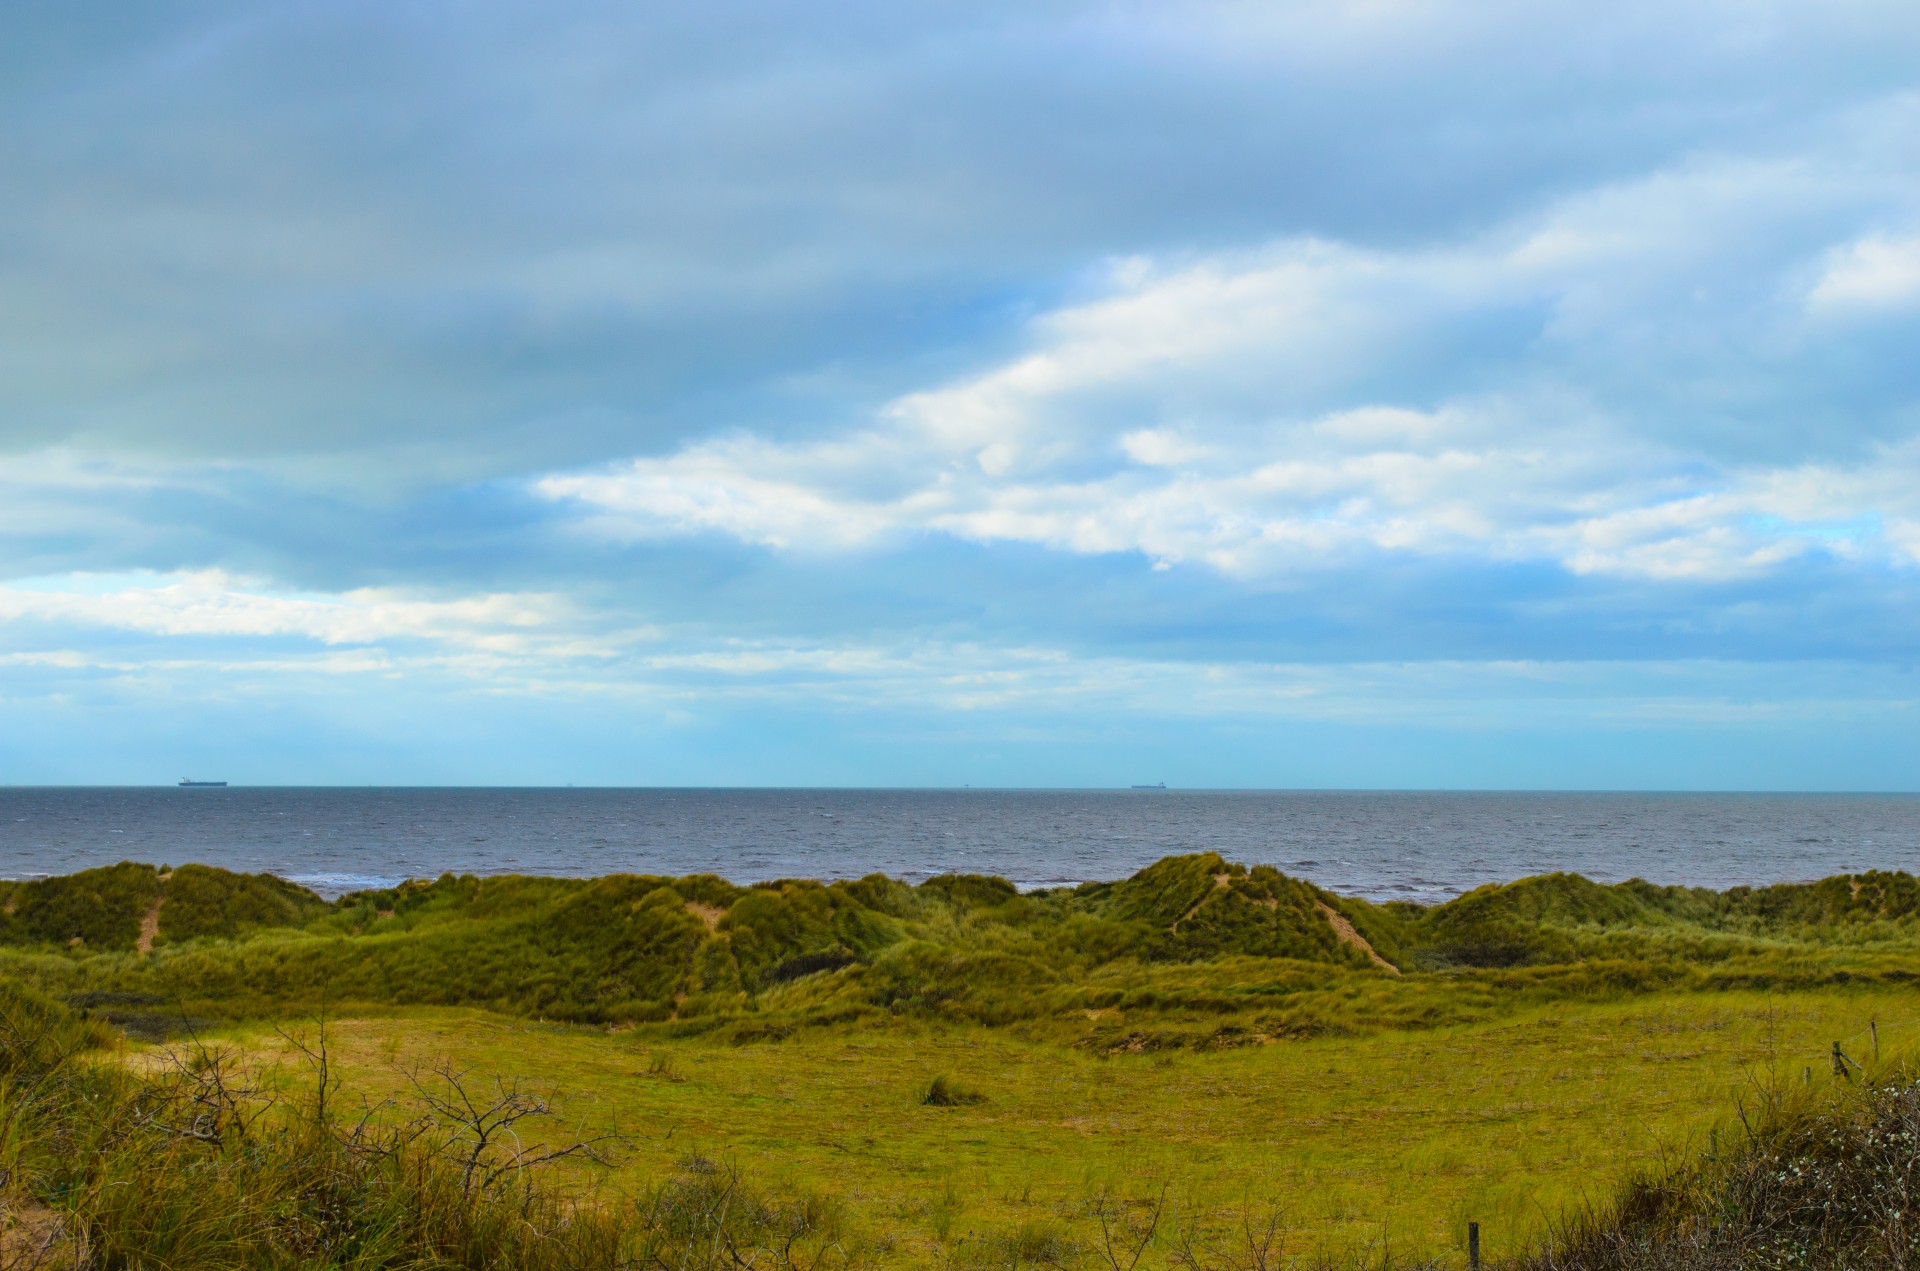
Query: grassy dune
{"points": [[1194, 1052], [1192, 951]]}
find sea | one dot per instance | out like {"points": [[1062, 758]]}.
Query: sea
{"points": [[1420, 846]]}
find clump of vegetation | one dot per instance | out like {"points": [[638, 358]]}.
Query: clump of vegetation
{"points": [[197, 902], [1823, 1182], [94, 910], [944, 1092], [1037, 1242]]}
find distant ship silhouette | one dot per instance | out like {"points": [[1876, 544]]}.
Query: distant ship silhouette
{"points": [[1158, 785], [186, 782]]}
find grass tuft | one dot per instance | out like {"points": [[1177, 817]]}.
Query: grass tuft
{"points": [[944, 1092]]}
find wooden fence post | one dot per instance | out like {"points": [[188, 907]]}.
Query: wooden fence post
{"points": [[1873, 1026], [1473, 1246]]}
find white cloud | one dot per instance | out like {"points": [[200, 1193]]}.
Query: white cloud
{"points": [[1162, 448], [1872, 273], [214, 604], [780, 496]]}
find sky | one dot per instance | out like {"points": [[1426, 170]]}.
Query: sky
{"points": [[1355, 393]]}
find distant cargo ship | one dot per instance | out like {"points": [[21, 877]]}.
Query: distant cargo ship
{"points": [[1158, 785], [189, 784]]}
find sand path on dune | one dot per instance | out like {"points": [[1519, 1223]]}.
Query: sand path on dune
{"points": [[150, 921], [1344, 929]]}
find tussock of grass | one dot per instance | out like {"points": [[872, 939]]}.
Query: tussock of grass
{"points": [[944, 1092]]}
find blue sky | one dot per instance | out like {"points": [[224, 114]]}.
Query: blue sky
{"points": [[1334, 394]]}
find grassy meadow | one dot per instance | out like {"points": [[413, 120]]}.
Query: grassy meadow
{"points": [[1201, 1066], [1359, 1145]]}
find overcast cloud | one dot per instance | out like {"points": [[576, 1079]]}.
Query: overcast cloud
{"points": [[1268, 394]]}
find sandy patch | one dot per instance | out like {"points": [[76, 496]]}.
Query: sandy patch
{"points": [[1220, 883], [1344, 929], [33, 1236], [149, 926]]}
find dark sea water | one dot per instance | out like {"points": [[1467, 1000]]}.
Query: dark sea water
{"points": [[1383, 845], [1418, 846]]}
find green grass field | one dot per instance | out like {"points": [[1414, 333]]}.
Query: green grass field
{"points": [[1365, 1145]]}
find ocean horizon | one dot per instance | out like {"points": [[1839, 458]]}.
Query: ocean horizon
{"points": [[1422, 845]]}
